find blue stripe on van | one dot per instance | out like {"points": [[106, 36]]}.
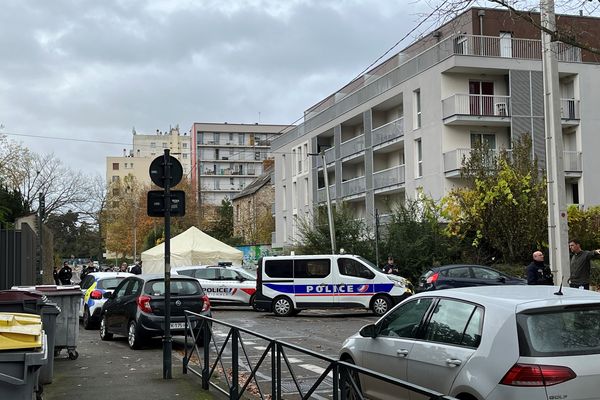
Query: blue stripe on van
{"points": [[332, 289]]}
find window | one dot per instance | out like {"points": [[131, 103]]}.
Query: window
{"points": [[306, 189], [305, 157], [184, 145], [257, 156], [300, 160], [283, 166], [120, 290], [283, 199], [294, 196], [351, 267], [87, 282], [206, 273], [311, 268], [294, 158], [405, 320], [185, 155], [483, 273], [178, 287], [228, 274], [279, 268], [115, 178], [418, 158], [115, 166], [455, 322], [152, 145], [237, 212], [417, 109], [460, 272]]}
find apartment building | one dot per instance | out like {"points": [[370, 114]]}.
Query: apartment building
{"points": [[136, 161], [228, 157], [408, 122]]}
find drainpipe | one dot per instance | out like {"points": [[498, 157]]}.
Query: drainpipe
{"points": [[480, 14]]}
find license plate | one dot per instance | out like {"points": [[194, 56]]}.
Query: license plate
{"points": [[177, 325]]}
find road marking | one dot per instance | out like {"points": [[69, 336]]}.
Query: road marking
{"points": [[259, 348], [294, 360], [315, 368]]}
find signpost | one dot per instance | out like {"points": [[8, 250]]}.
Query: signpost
{"points": [[166, 171]]}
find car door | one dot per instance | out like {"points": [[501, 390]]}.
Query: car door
{"points": [[486, 277], [313, 282], [450, 337], [387, 353], [209, 280], [113, 304], [353, 282], [459, 276]]}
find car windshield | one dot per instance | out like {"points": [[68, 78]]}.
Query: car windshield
{"points": [[109, 283], [570, 330], [369, 263], [179, 287]]}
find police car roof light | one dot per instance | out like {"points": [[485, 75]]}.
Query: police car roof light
{"points": [[225, 264]]}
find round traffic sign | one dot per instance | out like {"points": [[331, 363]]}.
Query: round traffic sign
{"points": [[157, 171]]}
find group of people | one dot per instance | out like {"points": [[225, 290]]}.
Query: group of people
{"points": [[64, 275], [538, 273]]}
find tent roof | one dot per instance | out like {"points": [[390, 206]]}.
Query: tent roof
{"points": [[194, 239]]}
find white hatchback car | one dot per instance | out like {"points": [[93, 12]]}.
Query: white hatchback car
{"points": [[224, 284], [485, 343]]}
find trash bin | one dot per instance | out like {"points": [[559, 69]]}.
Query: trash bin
{"points": [[68, 299], [33, 302], [19, 370], [20, 331]]}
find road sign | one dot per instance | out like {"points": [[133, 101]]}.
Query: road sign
{"points": [[157, 171], [156, 203]]}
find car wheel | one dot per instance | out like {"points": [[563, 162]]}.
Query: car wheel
{"points": [[381, 304], [104, 334], [134, 338], [283, 306], [350, 384], [254, 306], [87, 319]]}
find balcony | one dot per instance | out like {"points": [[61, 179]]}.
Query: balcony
{"points": [[322, 194], [353, 186], [389, 177], [569, 111], [572, 163], [388, 132], [476, 109], [352, 146]]}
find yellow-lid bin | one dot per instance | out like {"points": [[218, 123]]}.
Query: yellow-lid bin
{"points": [[20, 331]]}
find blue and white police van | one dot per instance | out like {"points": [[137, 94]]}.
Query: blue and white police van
{"points": [[288, 284]]}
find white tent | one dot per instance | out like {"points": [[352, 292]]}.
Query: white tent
{"points": [[192, 247]]}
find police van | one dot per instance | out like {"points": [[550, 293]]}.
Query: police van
{"points": [[288, 284]]}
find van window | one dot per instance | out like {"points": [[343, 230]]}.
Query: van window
{"points": [[351, 267], [279, 268], [309, 268]]}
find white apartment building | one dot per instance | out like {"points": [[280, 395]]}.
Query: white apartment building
{"points": [[228, 157], [136, 161], [407, 123]]}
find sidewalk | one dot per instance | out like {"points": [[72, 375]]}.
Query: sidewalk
{"points": [[113, 371]]}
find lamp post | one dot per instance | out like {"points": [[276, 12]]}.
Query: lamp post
{"points": [[329, 211]]}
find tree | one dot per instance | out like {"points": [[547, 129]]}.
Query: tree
{"points": [[222, 227], [72, 235], [351, 234], [585, 226], [12, 205], [503, 209]]}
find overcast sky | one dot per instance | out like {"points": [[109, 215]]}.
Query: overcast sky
{"points": [[93, 70]]}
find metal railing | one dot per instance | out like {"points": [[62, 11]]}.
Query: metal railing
{"points": [[353, 146], [353, 186], [387, 132], [454, 160], [388, 177], [330, 155], [569, 109], [572, 161], [476, 104], [322, 194], [228, 367]]}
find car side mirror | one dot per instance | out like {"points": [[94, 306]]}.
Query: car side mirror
{"points": [[107, 295], [501, 279], [241, 278], [368, 331]]}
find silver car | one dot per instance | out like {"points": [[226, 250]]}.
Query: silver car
{"points": [[492, 343]]}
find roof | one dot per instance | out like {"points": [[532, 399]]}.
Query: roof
{"points": [[255, 186]]}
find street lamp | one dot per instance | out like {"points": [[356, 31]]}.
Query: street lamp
{"points": [[329, 212]]}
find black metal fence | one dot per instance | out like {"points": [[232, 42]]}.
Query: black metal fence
{"points": [[17, 257], [225, 363]]}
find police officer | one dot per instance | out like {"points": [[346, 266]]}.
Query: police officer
{"points": [[65, 274]]}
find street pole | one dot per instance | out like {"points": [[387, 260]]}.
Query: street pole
{"points": [[167, 339], [329, 211], [557, 210], [376, 237]]}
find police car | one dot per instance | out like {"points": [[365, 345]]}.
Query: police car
{"points": [[223, 283], [93, 287]]}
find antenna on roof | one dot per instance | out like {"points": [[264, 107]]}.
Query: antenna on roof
{"points": [[560, 293]]}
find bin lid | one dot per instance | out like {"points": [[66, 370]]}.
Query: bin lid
{"points": [[19, 330], [19, 295], [52, 290]]}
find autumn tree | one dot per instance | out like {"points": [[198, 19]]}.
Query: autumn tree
{"points": [[585, 226], [503, 208]]}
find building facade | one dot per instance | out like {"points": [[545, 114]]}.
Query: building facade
{"points": [[405, 125], [228, 157]]}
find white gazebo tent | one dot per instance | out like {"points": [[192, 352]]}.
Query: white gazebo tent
{"points": [[192, 247]]}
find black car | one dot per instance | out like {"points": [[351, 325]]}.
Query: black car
{"points": [[457, 276], [136, 308]]}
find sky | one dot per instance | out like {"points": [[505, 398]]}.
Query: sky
{"points": [[94, 70]]}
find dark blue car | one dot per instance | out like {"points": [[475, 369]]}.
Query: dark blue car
{"points": [[462, 275]]}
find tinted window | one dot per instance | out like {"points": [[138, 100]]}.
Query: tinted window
{"points": [[351, 267], [133, 288], [405, 320], [460, 272], [450, 321], [310, 268], [279, 268], [207, 273], [484, 273], [572, 330], [87, 282], [109, 283], [179, 287], [120, 290], [228, 274]]}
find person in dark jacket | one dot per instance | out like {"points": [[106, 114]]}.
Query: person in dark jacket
{"points": [[390, 267], [539, 273], [55, 276], [65, 274], [137, 268], [580, 265]]}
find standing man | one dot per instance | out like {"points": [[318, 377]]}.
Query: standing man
{"points": [[55, 276], [580, 265], [137, 268], [65, 274], [539, 273], [390, 267]]}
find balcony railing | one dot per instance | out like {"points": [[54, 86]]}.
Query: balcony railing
{"points": [[353, 186], [389, 131], [353, 146], [322, 194], [388, 177], [476, 105], [569, 109], [572, 161], [330, 155]]}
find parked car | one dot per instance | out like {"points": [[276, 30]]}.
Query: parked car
{"points": [[136, 308], [93, 287], [485, 343], [224, 284], [457, 276]]}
